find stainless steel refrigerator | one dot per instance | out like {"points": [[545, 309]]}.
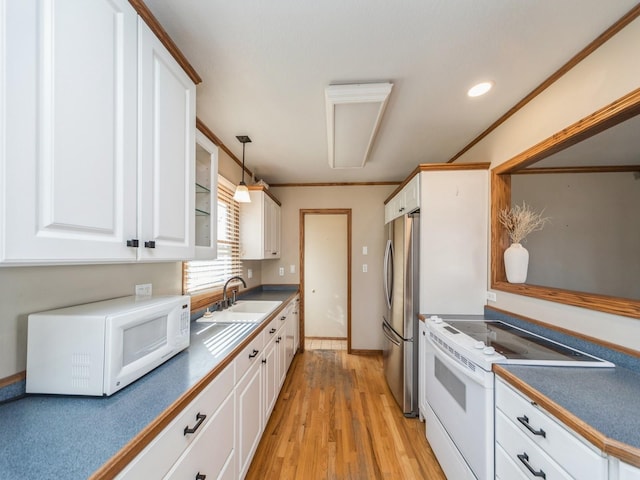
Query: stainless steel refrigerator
{"points": [[400, 324]]}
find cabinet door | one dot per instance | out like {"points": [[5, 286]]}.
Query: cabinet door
{"points": [[283, 360], [271, 375], [166, 180], [67, 192], [206, 209], [422, 369], [249, 413], [272, 228], [628, 472], [411, 194]]}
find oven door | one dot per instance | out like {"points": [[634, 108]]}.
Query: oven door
{"points": [[462, 401]]}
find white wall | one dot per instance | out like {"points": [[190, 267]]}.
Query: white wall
{"points": [[24, 290], [367, 204], [606, 75]]}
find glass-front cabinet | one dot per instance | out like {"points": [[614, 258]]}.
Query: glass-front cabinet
{"points": [[206, 197]]}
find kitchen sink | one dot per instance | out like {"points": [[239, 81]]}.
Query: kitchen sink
{"points": [[244, 311], [254, 306]]}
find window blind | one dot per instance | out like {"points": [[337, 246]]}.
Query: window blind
{"points": [[201, 275]]}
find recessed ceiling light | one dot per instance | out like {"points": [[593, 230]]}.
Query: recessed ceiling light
{"points": [[480, 89]]}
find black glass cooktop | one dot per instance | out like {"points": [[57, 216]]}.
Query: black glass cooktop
{"points": [[517, 344]]}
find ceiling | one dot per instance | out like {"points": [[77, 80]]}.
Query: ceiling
{"points": [[265, 66]]}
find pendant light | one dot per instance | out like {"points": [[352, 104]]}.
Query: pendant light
{"points": [[242, 192]]}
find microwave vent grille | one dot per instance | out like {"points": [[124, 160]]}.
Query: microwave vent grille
{"points": [[80, 370]]}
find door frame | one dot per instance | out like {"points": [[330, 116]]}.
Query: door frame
{"points": [[324, 211]]}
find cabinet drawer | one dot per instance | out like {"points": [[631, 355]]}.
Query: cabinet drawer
{"points": [[248, 356], [212, 453], [522, 451], [628, 472], [506, 469], [158, 457], [564, 446], [271, 331]]}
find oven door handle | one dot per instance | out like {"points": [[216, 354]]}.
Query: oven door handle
{"points": [[452, 364]]}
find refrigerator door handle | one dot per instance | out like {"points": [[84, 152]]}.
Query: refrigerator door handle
{"points": [[389, 330], [388, 273]]}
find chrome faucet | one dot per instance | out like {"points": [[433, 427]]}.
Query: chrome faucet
{"points": [[225, 301]]}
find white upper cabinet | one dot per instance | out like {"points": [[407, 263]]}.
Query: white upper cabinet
{"points": [[167, 136], [98, 136], [206, 198], [69, 163], [259, 226], [405, 201]]}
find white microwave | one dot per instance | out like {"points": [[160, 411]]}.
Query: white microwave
{"points": [[99, 348]]}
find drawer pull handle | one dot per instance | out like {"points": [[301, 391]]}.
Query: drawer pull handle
{"points": [[264, 360], [524, 420], [273, 330], [283, 318], [200, 476], [524, 458], [200, 418], [253, 354]]}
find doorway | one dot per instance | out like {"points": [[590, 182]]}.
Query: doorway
{"points": [[325, 276]]}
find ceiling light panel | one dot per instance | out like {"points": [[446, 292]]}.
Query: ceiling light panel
{"points": [[354, 113]]}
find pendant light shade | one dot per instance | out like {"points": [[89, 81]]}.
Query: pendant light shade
{"points": [[242, 192]]}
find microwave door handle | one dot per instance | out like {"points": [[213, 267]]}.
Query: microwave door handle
{"points": [[388, 273]]}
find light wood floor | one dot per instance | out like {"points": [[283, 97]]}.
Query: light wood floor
{"points": [[336, 419], [312, 343]]}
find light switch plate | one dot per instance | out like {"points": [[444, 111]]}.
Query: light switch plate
{"points": [[365, 250], [250, 273], [292, 269], [365, 268]]}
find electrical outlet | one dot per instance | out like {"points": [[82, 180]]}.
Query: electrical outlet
{"points": [[250, 273], [491, 296], [144, 290], [281, 271], [365, 250], [365, 268]]}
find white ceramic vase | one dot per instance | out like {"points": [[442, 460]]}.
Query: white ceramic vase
{"points": [[516, 263]]}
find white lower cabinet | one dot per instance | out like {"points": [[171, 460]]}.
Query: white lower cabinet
{"points": [[210, 455], [538, 444], [422, 368], [249, 414], [172, 444], [292, 336], [217, 434], [627, 472]]}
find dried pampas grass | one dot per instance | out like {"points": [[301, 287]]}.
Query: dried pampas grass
{"points": [[520, 221]]}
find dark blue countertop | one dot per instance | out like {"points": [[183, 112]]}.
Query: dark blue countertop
{"points": [[607, 399], [66, 437]]}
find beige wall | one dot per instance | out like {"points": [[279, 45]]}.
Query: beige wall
{"points": [[24, 290], [367, 205], [606, 75]]}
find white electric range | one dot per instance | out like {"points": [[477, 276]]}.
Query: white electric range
{"points": [[460, 385]]}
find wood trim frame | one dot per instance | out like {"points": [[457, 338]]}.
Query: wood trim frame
{"points": [[608, 116], [620, 450], [262, 188], [630, 16], [11, 379], [600, 169], [327, 211], [207, 132], [155, 26]]}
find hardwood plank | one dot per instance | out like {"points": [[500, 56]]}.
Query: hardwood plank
{"points": [[336, 419]]}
